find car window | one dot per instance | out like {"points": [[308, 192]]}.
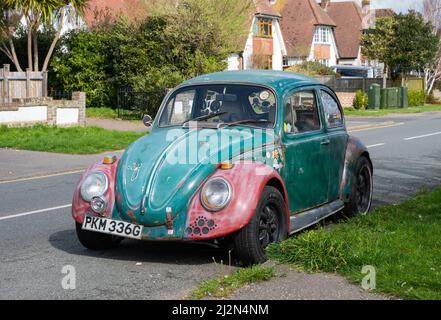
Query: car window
{"points": [[301, 113], [333, 114], [180, 107], [228, 103]]}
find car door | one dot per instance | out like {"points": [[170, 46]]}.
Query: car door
{"points": [[337, 134], [307, 151]]}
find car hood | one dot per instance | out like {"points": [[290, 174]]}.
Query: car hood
{"points": [[163, 169]]}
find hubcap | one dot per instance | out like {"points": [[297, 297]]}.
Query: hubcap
{"points": [[364, 190], [268, 226]]}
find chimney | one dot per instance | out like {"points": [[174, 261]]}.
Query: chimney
{"points": [[366, 5], [325, 3]]}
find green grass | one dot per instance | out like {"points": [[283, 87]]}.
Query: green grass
{"points": [[403, 243], [109, 113], [75, 140], [224, 285], [383, 112]]}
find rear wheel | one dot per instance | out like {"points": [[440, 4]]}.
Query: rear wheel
{"points": [[267, 225], [360, 199], [96, 241]]}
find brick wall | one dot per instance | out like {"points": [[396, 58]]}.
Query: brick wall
{"points": [[346, 98], [28, 111]]}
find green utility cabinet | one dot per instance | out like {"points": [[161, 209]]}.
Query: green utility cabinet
{"points": [[374, 95], [404, 97]]}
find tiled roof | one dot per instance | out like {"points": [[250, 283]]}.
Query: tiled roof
{"points": [[348, 18], [100, 9], [299, 19], [264, 7]]}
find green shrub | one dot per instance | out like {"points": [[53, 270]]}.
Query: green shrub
{"points": [[312, 68], [417, 98], [360, 100]]}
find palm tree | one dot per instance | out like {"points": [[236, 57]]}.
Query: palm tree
{"points": [[44, 12]]}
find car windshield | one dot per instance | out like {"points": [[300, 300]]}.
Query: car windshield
{"points": [[211, 105]]}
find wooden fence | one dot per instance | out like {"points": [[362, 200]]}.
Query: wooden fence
{"points": [[20, 85]]}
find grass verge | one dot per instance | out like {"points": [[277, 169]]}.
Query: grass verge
{"points": [[224, 285], [402, 242], [75, 140], [109, 113], [383, 112]]}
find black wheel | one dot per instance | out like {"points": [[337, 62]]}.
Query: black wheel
{"points": [[360, 199], [96, 241], [267, 225]]}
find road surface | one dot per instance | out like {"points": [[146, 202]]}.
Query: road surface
{"points": [[37, 237]]}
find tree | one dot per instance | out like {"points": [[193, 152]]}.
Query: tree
{"points": [[432, 71], [376, 43], [403, 43], [38, 14], [9, 22]]}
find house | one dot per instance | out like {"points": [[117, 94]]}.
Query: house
{"points": [[293, 31], [264, 47]]}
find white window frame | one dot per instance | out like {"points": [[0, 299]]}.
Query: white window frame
{"points": [[322, 35]]}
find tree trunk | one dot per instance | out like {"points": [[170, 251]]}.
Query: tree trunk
{"points": [[35, 43], [14, 56], [385, 73], [29, 43], [54, 43]]}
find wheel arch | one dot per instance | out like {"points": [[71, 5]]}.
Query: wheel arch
{"points": [[354, 150], [248, 180]]}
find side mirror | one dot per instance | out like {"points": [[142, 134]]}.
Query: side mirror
{"points": [[147, 120]]}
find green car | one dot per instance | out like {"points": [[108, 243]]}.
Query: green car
{"points": [[245, 158]]}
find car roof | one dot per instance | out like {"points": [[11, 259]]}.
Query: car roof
{"points": [[277, 80]]}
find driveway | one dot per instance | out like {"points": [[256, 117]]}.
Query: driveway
{"points": [[37, 237]]}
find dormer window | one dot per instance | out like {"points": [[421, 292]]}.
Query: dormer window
{"points": [[322, 35], [264, 27]]}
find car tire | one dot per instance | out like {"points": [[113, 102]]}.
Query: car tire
{"points": [[360, 198], [267, 225], [96, 241]]}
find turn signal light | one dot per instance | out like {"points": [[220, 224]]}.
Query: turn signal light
{"points": [[226, 165], [109, 160]]}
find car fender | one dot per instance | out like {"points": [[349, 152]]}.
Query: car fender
{"points": [[354, 150], [247, 180], [80, 207]]}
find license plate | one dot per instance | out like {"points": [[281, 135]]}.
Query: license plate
{"points": [[109, 226]]}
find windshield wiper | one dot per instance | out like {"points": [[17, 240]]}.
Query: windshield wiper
{"points": [[237, 123], [206, 117]]}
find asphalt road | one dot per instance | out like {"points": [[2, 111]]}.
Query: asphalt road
{"points": [[37, 237]]}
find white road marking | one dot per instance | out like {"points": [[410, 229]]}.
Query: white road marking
{"points": [[59, 174], [376, 145], [12, 216], [423, 136]]}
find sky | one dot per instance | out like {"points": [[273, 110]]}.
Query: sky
{"points": [[397, 5]]}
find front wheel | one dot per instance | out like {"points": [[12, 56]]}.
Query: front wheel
{"points": [[96, 241], [360, 199], [267, 225]]}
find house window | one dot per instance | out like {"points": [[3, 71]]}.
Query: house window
{"points": [[324, 62], [321, 35], [264, 28]]}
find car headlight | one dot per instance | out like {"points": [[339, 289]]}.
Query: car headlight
{"points": [[215, 194], [95, 185]]}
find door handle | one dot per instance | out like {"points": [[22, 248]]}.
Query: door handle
{"points": [[325, 142]]}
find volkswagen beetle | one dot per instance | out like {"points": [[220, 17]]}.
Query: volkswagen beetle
{"points": [[247, 157]]}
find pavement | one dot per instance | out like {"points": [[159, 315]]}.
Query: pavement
{"points": [[119, 125], [37, 237]]}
